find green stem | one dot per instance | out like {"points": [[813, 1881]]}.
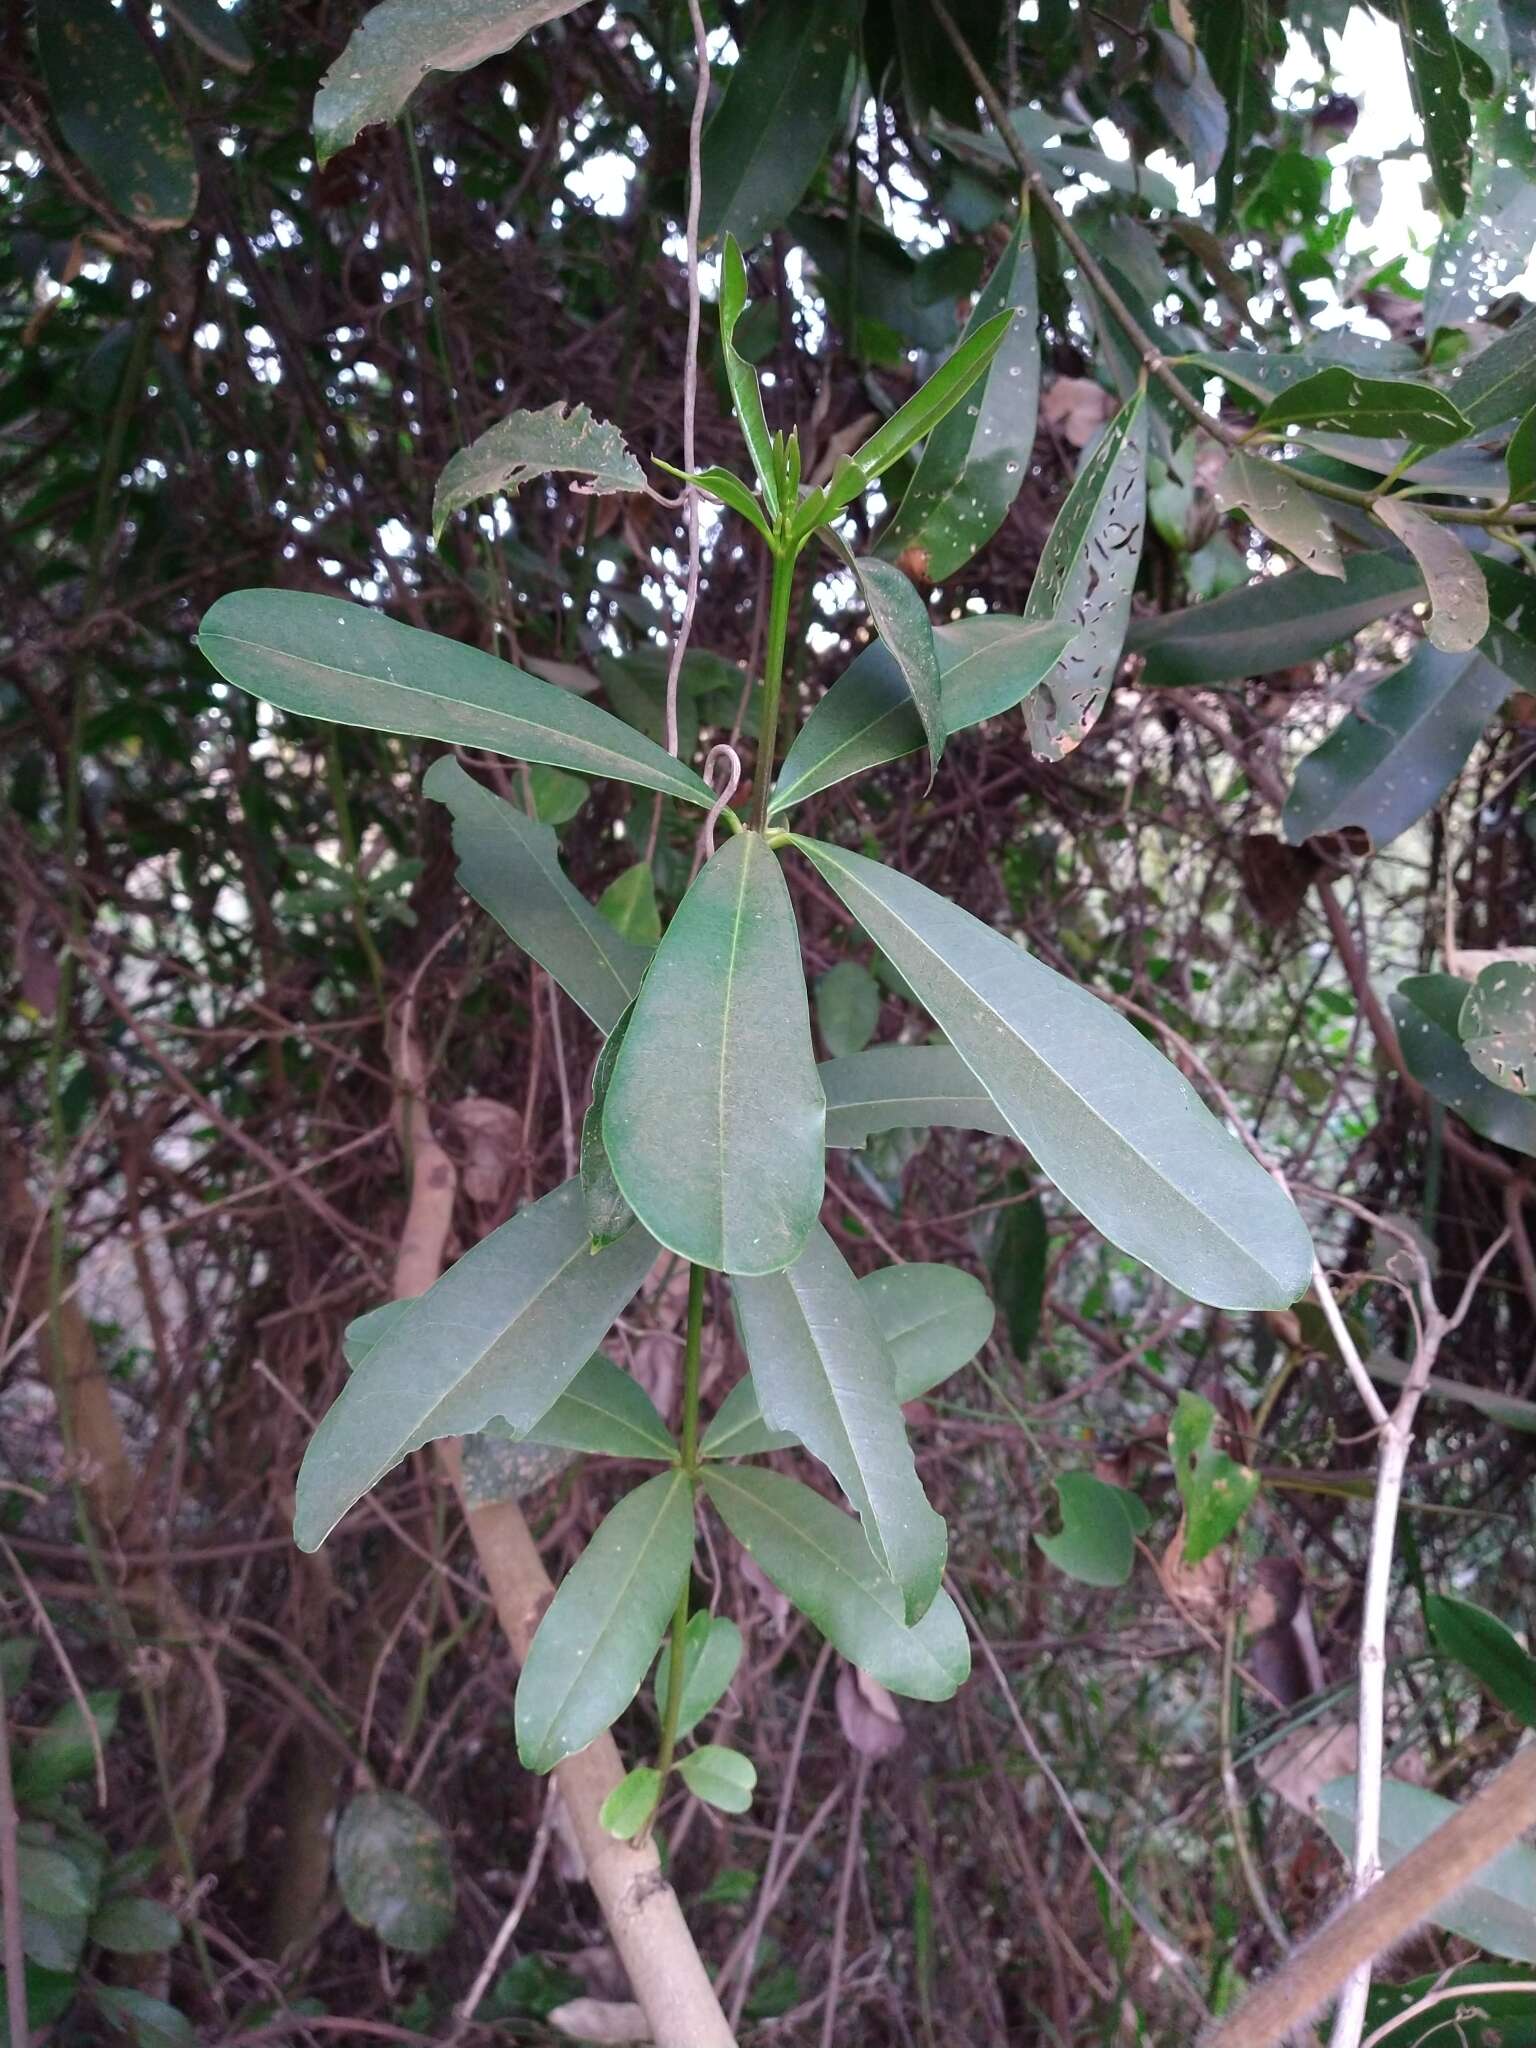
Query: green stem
{"points": [[691, 1351], [773, 677]]}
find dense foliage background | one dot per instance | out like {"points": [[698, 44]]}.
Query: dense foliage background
{"points": [[233, 364]]}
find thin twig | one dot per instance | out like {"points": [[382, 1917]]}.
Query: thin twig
{"points": [[508, 1927], [844, 1893]]}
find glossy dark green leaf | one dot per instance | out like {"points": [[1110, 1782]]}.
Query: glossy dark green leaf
{"points": [[1216, 1490], [1458, 596], [1189, 102], [822, 1372], [1096, 1543], [131, 1925], [1440, 97], [349, 664], [847, 1008], [904, 1087], [1498, 1025], [629, 1806], [785, 102], [555, 797], [112, 107], [1343, 401], [817, 1555], [608, 1214], [1489, 1650], [394, 1870], [715, 1119], [605, 1411], [899, 615], [1520, 460], [1511, 641], [711, 1655], [502, 1334], [1113, 1123], [1498, 383], [1426, 1008], [1392, 758], [1086, 576], [746, 397], [216, 33], [720, 1777], [1280, 506], [600, 1632], [629, 904], [1016, 1260], [524, 445], [1274, 623], [511, 867], [400, 43]]}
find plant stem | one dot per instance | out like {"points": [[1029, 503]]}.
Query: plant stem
{"points": [[691, 1350], [773, 677]]}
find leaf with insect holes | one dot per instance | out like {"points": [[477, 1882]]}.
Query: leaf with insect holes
{"points": [[1096, 1543], [1480, 1641], [524, 445], [1427, 1009], [720, 1777], [1437, 79], [394, 1871], [1498, 1025], [1216, 1491], [113, 108], [711, 1653], [1342, 401], [1458, 596], [1281, 508], [629, 1806], [608, 1214]]}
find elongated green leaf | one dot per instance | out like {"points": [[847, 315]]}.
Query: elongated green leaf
{"points": [[216, 33], [631, 1803], [847, 1008], [1085, 579], [1282, 508], [1342, 401], [1499, 382], [608, 1214], [350, 665], [1274, 623], [1511, 641], [986, 667], [1478, 255], [904, 1087], [715, 1120], [1096, 1542], [512, 869], [394, 1871], [711, 1654], [528, 444], [1064, 163], [746, 396], [1497, 1910], [1017, 1260], [720, 1777], [1189, 102], [599, 1633], [1520, 460], [900, 616], [1498, 1025], [1426, 1008], [1114, 1124], [822, 1372], [1482, 1643], [1392, 758], [399, 43], [725, 485], [817, 1555], [1216, 1491], [785, 102], [113, 109], [1440, 96], [502, 1334], [606, 1412], [629, 904], [1458, 596]]}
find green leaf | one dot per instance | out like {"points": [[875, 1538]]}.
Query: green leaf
{"points": [[1482, 1643], [847, 1008], [502, 1334], [822, 1372], [608, 1214], [1488, 248], [899, 615], [1216, 1491], [746, 397], [720, 1777], [1520, 460], [1016, 1260], [1344, 401], [511, 867], [1458, 596], [715, 1119], [784, 104], [725, 485], [904, 1087], [1426, 1008], [1188, 101], [604, 1410], [1113, 1123], [711, 1653], [1507, 2018], [394, 1870], [524, 445], [51, 1882], [1280, 507], [134, 1926], [1099, 1526], [1276, 623], [400, 43], [555, 797], [17, 1655], [922, 412], [113, 109], [152, 2023], [1498, 1025], [600, 1632], [1440, 98], [1086, 576], [629, 1806], [629, 904], [1499, 382], [817, 1556], [1391, 759], [64, 1749], [217, 34], [1063, 162], [1496, 1909], [350, 665], [1511, 642], [986, 667]]}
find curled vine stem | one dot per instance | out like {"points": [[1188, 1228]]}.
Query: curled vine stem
{"points": [[721, 752]]}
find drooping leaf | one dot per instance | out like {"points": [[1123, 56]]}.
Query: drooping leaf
{"points": [[1216, 1490], [1281, 507], [986, 667], [629, 904], [822, 1372], [524, 445], [604, 1410], [1497, 1909], [715, 1119], [1498, 1025], [115, 112], [629, 1806], [746, 396], [1113, 1123], [1189, 102], [711, 1654], [350, 665], [785, 102], [900, 616], [1016, 1260], [608, 1214], [1063, 161], [1343, 401], [1096, 1543], [400, 43], [1086, 575], [847, 1008], [1440, 98], [502, 1334], [817, 1555], [1458, 596], [1481, 1642], [1426, 1008], [904, 1087], [394, 1871], [720, 1777], [600, 1632], [1478, 255], [1393, 757], [216, 33], [511, 867], [1499, 382]]}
